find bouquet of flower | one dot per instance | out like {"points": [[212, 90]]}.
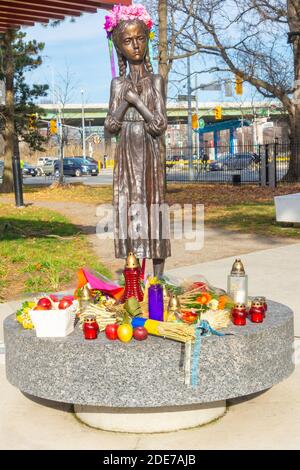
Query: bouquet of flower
{"points": [[200, 299]]}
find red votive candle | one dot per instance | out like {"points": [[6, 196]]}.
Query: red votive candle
{"points": [[264, 304], [239, 320], [257, 317], [239, 314]]}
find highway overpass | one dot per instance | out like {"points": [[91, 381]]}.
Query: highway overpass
{"points": [[177, 112]]}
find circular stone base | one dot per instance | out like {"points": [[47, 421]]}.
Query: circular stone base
{"points": [[149, 420]]}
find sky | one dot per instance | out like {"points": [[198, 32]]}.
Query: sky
{"points": [[81, 47]]}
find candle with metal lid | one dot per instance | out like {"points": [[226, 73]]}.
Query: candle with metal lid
{"points": [[237, 284]]}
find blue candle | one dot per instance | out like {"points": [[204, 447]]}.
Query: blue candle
{"points": [[156, 302]]}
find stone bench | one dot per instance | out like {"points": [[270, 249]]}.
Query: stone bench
{"points": [[139, 386], [288, 208]]}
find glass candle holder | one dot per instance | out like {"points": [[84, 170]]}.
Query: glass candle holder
{"points": [[237, 283], [156, 302]]}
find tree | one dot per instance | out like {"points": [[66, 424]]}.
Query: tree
{"points": [[172, 42], [175, 39], [18, 56], [63, 93], [249, 39]]}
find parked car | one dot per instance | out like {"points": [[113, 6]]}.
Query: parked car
{"points": [[48, 168], [92, 160], [76, 167], [29, 170], [1, 169], [176, 158], [237, 161], [41, 162]]}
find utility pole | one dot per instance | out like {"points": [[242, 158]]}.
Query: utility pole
{"points": [[61, 148], [163, 68], [83, 126], [197, 112], [190, 131], [243, 138]]}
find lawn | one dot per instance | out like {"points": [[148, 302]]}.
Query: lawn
{"points": [[40, 251], [258, 218], [70, 192], [208, 194]]}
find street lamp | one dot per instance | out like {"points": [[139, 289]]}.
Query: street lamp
{"points": [[190, 131], [83, 125]]}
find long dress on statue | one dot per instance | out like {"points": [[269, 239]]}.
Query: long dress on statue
{"points": [[141, 222]]}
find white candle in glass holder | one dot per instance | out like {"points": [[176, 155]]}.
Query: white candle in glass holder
{"points": [[237, 284]]}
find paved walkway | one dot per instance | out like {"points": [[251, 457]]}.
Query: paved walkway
{"points": [[268, 421]]}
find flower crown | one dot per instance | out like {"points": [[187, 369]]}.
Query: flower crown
{"points": [[124, 13]]}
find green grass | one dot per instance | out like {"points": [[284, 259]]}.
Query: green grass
{"points": [[40, 250], [258, 218]]}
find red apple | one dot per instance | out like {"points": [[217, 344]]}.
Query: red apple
{"points": [[111, 331], [45, 302], [140, 333], [64, 303], [54, 298]]}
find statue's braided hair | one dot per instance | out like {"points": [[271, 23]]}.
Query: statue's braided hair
{"points": [[116, 36]]}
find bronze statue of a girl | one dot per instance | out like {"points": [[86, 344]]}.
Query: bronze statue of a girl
{"points": [[137, 114]]}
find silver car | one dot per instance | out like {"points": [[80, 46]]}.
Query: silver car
{"points": [[1, 169]]}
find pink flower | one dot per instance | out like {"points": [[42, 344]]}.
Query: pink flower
{"points": [[125, 13]]}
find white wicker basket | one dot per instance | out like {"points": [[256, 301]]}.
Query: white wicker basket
{"points": [[54, 323]]}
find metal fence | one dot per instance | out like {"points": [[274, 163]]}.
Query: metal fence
{"points": [[265, 164]]}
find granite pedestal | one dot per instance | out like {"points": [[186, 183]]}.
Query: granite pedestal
{"points": [[139, 386]]}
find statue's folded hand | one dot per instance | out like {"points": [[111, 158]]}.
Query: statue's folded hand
{"points": [[132, 97]]}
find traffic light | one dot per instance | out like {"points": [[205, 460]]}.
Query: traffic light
{"points": [[218, 112], [32, 122], [238, 85], [195, 123], [53, 127]]}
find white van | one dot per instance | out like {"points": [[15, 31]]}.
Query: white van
{"points": [[42, 160]]}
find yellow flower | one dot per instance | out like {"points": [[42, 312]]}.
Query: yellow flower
{"points": [[153, 280]]}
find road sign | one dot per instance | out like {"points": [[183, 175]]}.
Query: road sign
{"points": [[228, 88], [201, 123], [213, 86], [262, 112]]}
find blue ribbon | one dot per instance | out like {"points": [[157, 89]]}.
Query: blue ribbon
{"points": [[202, 328]]}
